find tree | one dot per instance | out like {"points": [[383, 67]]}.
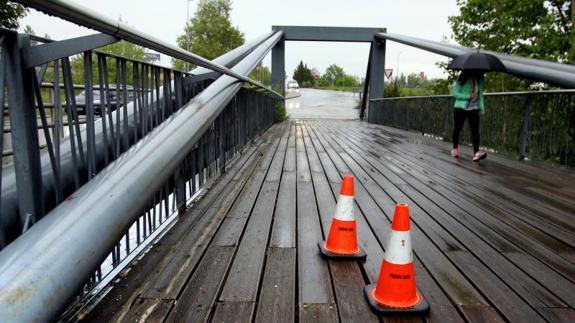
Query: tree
{"points": [[534, 28], [210, 32], [303, 75], [10, 13], [438, 86], [332, 74], [262, 74], [121, 48], [335, 76]]}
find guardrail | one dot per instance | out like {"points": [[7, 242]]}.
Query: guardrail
{"points": [[135, 97], [559, 74], [58, 149], [133, 165], [536, 125]]}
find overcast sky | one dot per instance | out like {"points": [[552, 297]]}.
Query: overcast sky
{"points": [[165, 19]]}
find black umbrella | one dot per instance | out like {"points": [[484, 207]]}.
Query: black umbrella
{"points": [[477, 61]]}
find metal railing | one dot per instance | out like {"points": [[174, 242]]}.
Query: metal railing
{"points": [[84, 16], [559, 74], [93, 196], [137, 94], [76, 140], [536, 125]]}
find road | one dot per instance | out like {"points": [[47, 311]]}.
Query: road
{"points": [[323, 104]]}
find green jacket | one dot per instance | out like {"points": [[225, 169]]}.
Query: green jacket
{"points": [[461, 93]]}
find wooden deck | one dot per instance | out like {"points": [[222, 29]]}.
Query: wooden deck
{"points": [[492, 242]]}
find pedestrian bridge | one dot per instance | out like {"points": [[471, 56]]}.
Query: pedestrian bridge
{"points": [[165, 195], [492, 242]]}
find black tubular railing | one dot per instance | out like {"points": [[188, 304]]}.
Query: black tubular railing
{"points": [[535, 125]]}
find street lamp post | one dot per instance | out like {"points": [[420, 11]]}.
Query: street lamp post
{"points": [[186, 31], [397, 66]]}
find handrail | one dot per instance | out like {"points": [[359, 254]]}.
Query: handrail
{"points": [[539, 70], [86, 17], [80, 231], [534, 125], [9, 208], [486, 94]]}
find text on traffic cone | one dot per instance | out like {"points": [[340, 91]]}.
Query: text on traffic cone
{"points": [[342, 237], [395, 290]]}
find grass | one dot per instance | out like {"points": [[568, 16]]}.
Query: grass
{"points": [[338, 88], [280, 113]]}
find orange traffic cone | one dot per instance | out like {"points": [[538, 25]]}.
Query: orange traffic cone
{"points": [[342, 239], [395, 290]]}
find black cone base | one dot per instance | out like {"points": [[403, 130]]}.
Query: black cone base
{"points": [[361, 255], [420, 308]]}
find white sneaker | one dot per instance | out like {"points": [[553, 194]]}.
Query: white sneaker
{"points": [[479, 155]]}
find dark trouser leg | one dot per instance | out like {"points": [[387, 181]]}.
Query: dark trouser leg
{"points": [[458, 121], [474, 125]]}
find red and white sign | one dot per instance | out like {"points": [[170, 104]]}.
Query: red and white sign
{"points": [[388, 72]]}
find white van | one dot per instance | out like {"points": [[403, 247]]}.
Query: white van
{"points": [[292, 86]]}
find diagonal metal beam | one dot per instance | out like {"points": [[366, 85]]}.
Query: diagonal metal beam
{"points": [[539, 70], [86, 17], [45, 53]]}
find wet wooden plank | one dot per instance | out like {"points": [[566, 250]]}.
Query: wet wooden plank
{"points": [[243, 280], [505, 299], [522, 284], [544, 276], [114, 306], [507, 303], [284, 228], [174, 275], [506, 220], [199, 296], [238, 172], [446, 173], [346, 276], [245, 274], [277, 297], [233, 312], [443, 308], [148, 310], [348, 284], [317, 313], [481, 314], [457, 286], [528, 252], [313, 275], [559, 314], [233, 225], [143, 271], [550, 279]]}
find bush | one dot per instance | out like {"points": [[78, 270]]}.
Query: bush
{"points": [[280, 113]]}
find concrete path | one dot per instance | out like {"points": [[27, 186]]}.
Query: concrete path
{"points": [[323, 104]]}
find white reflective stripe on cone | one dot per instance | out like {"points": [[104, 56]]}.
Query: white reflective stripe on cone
{"points": [[344, 209], [398, 250]]}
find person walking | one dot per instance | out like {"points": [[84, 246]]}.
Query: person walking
{"points": [[468, 94]]}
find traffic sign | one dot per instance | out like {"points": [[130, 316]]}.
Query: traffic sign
{"points": [[388, 72]]}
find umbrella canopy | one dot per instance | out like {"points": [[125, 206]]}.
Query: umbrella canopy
{"points": [[477, 61]]}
